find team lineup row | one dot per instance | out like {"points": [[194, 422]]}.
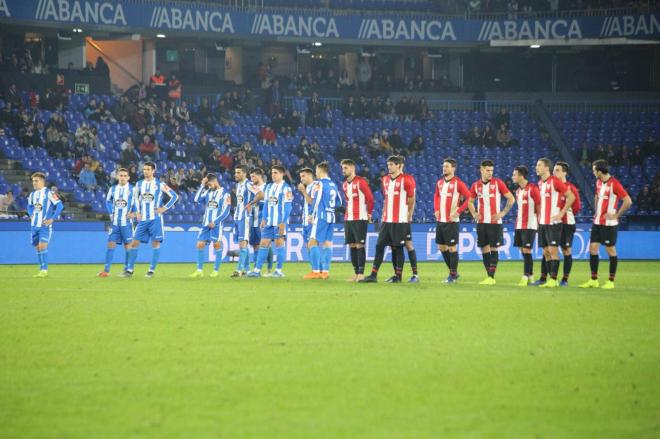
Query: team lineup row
{"points": [[262, 212]]}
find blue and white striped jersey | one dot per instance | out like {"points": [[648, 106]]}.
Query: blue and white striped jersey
{"points": [[257, 210], [119, 203], [42, 205], [326, 199], [148, 196], [278, 198], [217, 205], [244, 194], [307, 211]]}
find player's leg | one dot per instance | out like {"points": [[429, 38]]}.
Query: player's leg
{"points": [[41, 241], [383, 241], [109, 254], [241, 234], [567, 233], [614, 262], [314, 252], [156, 234], [217, 250], [594, 248], [399, 258], [361, 229], [201, 248], [324, 237], [412, 255], [545, 260], [349, 240], [610, 248], [267, 236], [280, 255]]}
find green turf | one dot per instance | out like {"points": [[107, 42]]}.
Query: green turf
{"points": [[82, 357]]}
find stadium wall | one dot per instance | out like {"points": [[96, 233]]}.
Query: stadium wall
{"points": [[84, 243]]}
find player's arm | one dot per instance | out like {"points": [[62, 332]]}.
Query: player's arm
{"points": [[202, 192], [409, 184], [303, 190], [109, 206], [436, 202], [465, 194], [136, 202], [316, 199], [536, 196], [226, 207], [368, 196], [52, 215], [566, 192], [626, 201], [173, 198], [473, 196], [287, 205], [510, 199], [577, 204]]}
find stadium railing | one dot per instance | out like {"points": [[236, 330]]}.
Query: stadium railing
{"points": [[455, 11], [628, 106]]}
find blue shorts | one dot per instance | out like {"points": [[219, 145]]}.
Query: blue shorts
{"points": [[272, 232], [210, 235], [120, 234], [321, 231], [41, 234], [242, 229], [150, 230], [255, 236], [306, 231]]}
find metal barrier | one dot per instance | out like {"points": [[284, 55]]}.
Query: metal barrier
{"points": [[589, 106]]}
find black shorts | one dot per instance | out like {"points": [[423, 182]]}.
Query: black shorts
{"points": [[489, 235], [605, 235], [524, 238], [549, 235], [446, 234], [355, 232], [567, 233], [394, 234]]}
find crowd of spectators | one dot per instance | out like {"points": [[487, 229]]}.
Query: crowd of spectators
{"points": [[490, 137]]}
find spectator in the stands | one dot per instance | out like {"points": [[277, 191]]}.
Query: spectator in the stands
{"points": [[328, 117], [385, 145], [473, 137], [314, 111], [422, 113], [503, 118], [29, 136], [503, 136], [613, 157], [102, 179], [6, 205], [193, 180], [222, 112], [416, 145], [158, 85], [86, 178], [651, 147], [373, 145], [13, 96], [204, 116], [101, 67], [148, 148], [637, 157], [344, 81], [584, 154], [488, 137], [267, 135], [273, 98], [174, 88], [350, 108], [363, 73], [300, 106], [139, 121], [180, 178], [182, 113], [645, 199], [396, 141]]}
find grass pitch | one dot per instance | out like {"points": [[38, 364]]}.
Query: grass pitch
{"points": [[83, 357]]}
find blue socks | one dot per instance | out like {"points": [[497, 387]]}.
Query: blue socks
{"points": [[132, 256], [243, 259], [270, 257], [154, 258], [109, 253], [261, 258], [326, 257], [280, 253], [42, 258], [218, 259], [315, 258], [200, 258]]}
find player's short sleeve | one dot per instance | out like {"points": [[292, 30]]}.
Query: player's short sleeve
{"points": [[53, 197], [560, 186], [619, 190], [502, 187], [409, 184], [288, 194], [535, 193], [165, 188]]}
